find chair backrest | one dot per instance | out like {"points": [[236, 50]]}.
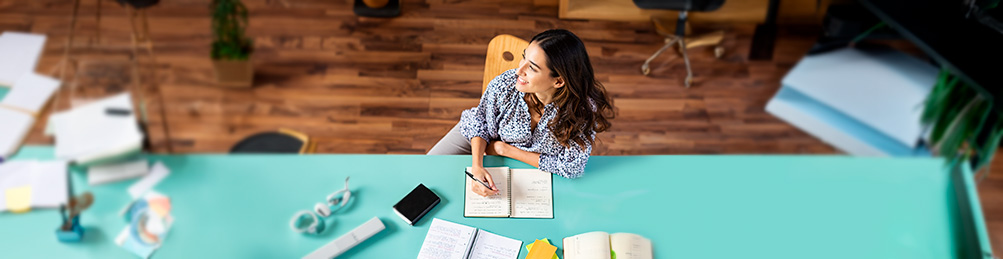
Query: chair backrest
{"points": [[283, 141], [680, 5], [504, 53]]}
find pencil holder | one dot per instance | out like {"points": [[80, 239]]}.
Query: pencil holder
{"points": [[74, 234]]}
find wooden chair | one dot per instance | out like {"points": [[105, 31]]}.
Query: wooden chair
{"points": [[504, 53]]}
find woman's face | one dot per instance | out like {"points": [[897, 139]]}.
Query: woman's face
{"points": [[534, 76]]}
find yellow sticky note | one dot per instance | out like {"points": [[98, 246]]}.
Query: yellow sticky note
{"points": [[19, 199], [543, 250], [529, 247]]}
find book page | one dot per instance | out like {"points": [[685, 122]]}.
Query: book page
{"points": [[592, 245], [475, 205], [492, 246], [630, 246], [532, 194], [446, 240]]}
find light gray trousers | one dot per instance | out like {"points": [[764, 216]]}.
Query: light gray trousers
{"points": [[454, 143]]}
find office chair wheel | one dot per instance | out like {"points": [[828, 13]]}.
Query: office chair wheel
{"points": [[719, 51]]}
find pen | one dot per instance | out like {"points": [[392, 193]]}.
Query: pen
{"points": [[478, 180]]}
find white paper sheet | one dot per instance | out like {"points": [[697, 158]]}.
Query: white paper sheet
{"points": [[101, 174], [20, 52], [30, 92], [15, 126], [157, 173]]}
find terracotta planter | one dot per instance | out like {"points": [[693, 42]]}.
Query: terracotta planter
{"points": [[233, 73]]}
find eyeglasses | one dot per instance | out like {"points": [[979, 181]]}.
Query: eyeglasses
{"points": [[309, 222]]}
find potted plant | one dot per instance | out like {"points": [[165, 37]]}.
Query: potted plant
{"points": [[231, 50], [964, 125]]}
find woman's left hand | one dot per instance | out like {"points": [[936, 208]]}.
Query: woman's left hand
{"points": [[496, 148]]}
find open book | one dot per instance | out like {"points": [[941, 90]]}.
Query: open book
{"points": [[448, 240], [522, 193], [602, 245]]}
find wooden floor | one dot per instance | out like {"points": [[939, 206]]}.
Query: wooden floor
{"points": [[375, 85]]}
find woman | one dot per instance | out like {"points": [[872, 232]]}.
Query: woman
{"points": [[544, 113]]}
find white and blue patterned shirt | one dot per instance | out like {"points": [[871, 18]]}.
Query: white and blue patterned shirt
{"points": [[504, 115]]}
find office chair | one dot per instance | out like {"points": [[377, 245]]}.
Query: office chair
{"points": [[679, 37], [283, 141]]}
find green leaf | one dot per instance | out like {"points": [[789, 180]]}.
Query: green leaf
{"points": [[957, 131], [988, 149], [229, 20]]}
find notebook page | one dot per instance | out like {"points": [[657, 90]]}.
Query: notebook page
{"points": [[492, 246], [446, 240], [630, 246], [475, 205], [49, 181], [532, 194], [592, 245]]}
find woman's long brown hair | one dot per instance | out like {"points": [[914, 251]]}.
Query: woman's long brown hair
{"points": [[582, 103]]}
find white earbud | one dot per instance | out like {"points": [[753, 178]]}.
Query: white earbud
{"points": [[322, 210]]}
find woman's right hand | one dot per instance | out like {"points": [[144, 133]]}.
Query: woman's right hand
{"points": [[482, 174]]}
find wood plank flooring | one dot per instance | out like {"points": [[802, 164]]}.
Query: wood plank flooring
{"points": [[395, 86]]}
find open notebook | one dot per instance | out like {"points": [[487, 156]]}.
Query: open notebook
{"points": [[448, 240], [602, 245], [26, 184], [522, 193]]}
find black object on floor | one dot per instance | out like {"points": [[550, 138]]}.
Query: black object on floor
{"points": [[392, 9], [269, 142], [765, 35]]}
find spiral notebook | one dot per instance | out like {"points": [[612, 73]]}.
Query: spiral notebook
{"points": [[522, 193]]}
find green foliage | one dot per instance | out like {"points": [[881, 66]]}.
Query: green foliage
{"points": [[229, 19], [964, 125]]}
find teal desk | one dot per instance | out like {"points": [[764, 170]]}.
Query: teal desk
{"points": [[689, 206]]}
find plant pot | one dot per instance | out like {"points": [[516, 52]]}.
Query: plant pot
{"points": [[139, 4], [233, 73]]}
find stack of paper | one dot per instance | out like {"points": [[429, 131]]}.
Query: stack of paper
{"points": [[863, 102], [20, 106], [32, 184], [100, 130], [19, 53], [101, 174]]}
